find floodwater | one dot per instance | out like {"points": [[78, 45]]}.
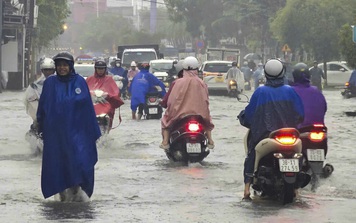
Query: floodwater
{"points": [[135, 182]]}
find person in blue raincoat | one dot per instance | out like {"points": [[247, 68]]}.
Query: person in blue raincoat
{"points": [[271, 107], [67, 122], [143, 83], [117, 69]]}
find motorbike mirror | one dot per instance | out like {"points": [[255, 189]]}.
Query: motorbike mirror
{"points": [[243, 99], [98, 93]]}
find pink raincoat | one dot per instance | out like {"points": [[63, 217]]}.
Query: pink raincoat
{"points": [[188, 95]]}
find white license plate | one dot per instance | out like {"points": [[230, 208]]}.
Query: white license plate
{"points": [[315, 154], [289, 165], [233, 87], [152, 110], [193, 148]]}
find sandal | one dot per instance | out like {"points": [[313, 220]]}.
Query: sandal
{"points": [[211, 146], [247, 197], [165, 147]]}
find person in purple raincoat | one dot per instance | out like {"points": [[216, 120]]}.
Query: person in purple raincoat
{"points": [[313, 100]]}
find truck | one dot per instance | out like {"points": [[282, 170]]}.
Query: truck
{"points": [[138, 53], [226, 54]]}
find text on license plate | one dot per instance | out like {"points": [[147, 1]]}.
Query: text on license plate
{"points": [[193, 148], [152, 110], [315, 154], [233, 87], [289, 165], [219, 79]]}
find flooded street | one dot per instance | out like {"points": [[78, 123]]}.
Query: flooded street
{"points": [[135, 182]]}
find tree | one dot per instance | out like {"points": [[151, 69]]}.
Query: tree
{"points": [[51, 18], [347, 46]]}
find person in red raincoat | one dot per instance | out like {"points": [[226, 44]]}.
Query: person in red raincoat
{"points": [[110, 98]]}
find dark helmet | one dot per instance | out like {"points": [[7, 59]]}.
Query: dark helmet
{"points": [[234, 64], [100, 64], [274, 69], [63, 56], [145, 65], [301, 72]]}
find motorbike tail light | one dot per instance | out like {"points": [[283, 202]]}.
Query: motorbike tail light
{"points": [[347, 84], [232, 82], [193, 126], [286, 139], [319, 125], [317, 136]]}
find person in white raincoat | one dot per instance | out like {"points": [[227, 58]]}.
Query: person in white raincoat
{"points": [[234, 73]]}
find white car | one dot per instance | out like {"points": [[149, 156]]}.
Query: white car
{"points": [[84, 69], [160, 69], [338, 72], [214, 73]]}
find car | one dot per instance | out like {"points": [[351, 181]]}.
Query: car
{"points": [[338, 73], [84, 69], [160, 68], [214, 73]]}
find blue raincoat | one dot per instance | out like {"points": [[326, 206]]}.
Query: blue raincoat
{"points": [[68, 123], [141, 84], [271, 107]]}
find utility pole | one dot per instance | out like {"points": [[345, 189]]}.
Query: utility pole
{"points": [[153, 16], [1, 22]]}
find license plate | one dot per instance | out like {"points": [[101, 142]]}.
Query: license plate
{"points": [[233, 87], [193, 148], [315, 154], [152, 110], [289, 165], [219, 79]]}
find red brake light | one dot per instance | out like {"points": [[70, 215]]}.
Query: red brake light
{"points": [[317, 136], [318, 125], [286, 139], [193, 127]]}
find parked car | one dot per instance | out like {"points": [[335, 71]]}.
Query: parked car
{"points": [[214, 73], [338, 72]]}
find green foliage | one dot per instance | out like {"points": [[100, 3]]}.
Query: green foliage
{"points": [[51, 18], [347, 46]]}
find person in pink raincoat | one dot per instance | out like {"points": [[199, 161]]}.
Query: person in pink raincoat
{"points": [[187, 95]]}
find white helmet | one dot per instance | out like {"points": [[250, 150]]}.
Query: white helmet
{"points": [[47, 63], [179, 65], [274, 69], [133, 64], [190, 63]]}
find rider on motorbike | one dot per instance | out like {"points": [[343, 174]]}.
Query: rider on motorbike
{"points": [[188, 95], [234, 73], [314, 101], [117, 69], [143, 83], [272, 106], [33, 92], [110, 100]]}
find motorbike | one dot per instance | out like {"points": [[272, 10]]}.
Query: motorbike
{"points": [[315, 148], [348, 91], [102, 108], [188, 142], [35, 140], [278, 165], [153, 108], [233, 90]]}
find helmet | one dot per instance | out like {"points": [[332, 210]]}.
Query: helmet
{"points": [[145, 65], [301, 72], [179, 66], [274, 69], [100, 64], [245, 63], [64, 56], [234, 64], [133, 64], [190, 63], [47, 63]]}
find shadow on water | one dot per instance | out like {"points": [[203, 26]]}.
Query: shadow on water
{"points": [[60, 210]]}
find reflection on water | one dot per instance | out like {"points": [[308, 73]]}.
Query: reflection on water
{"points": [[61, 210]]}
